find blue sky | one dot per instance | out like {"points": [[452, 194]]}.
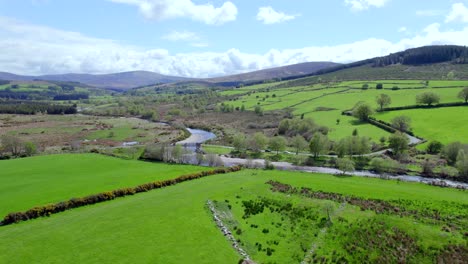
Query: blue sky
{"points": [[201, 38]]}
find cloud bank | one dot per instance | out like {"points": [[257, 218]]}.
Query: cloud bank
{"points": [[35, 50], [360, 5]]}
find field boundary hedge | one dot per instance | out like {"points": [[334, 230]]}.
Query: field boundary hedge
{"points": [[53, 208], [397, 108]]}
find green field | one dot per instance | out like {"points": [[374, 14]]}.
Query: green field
{"points": [[28, 182], [448, 124], [325, 102], [173, 225]]}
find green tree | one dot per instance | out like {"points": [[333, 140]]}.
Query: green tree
{"points": [[451, 151], [258, 110], [463, 94], [434, 147], [379, 86], [298, 143], [345, 165], [428, 98], [319, 144], [362, 111], [30, 148], [383, 100], [277, 144], [239, 142], [401, 123], [398, 142], [242, 108], [462, 163], [258, 142]]}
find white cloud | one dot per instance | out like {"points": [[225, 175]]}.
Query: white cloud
{"points": [[268, 15], [360, 5], [168, 9], [181, 36], [429, 13], [402, 29], [33, 49], [459, 13]]}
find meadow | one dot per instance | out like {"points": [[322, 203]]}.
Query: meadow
{"points": [[158, 225], [446, 125], [28, 182]]}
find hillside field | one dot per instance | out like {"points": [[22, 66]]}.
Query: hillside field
{"points": [[325, 102], [29, 182], [158, 225]]}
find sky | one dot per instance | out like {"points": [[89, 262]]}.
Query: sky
{"points": [[206, 38]]}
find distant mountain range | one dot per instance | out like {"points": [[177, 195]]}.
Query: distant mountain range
{"points": [[414, 61], [128, 80]]}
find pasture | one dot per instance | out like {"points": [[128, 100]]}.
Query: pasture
{"points": [[158, 225], [448, 124], [27, 182]]}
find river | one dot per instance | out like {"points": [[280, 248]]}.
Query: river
{"points": [[199, 136]]}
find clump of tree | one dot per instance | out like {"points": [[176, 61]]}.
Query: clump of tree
{"points": [[352, 145], [383, 100], [382, 165], [434, 147], [450, 151], [298, 143], [362, 111], [167, 153], [428, 98], [401, 123], [257, 142], [14, 146], [398, 142], [305, 127]]}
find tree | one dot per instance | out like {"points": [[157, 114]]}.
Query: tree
{"points": [[379, 86], [277, 144], [398, 142], [30, 148], [434, 147], [345, 165], [383, 100], [239, 142], [258, 110], [463, 94], [428, 98], [401, 123], [258, 142], [12, 144], [242, 108], [381, 165], [450, 152], [319, 144], [362, 111], [462, 163], [298, 143]]}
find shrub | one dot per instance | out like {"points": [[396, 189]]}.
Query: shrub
{"points": [[434, 147]]}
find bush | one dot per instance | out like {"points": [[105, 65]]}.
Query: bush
{"points": [[434, 147]]}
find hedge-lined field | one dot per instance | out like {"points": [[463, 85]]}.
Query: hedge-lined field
{"points": [[29, 182], [173, 225], [325, 105], [446, 125]]}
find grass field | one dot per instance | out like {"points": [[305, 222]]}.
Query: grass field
{"points": [[446, 125], [157, 226], [27, 182], [325, 105]]}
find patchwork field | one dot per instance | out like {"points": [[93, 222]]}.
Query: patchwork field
{"points": [[28, 182], [158, 225], [325, 102]]}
